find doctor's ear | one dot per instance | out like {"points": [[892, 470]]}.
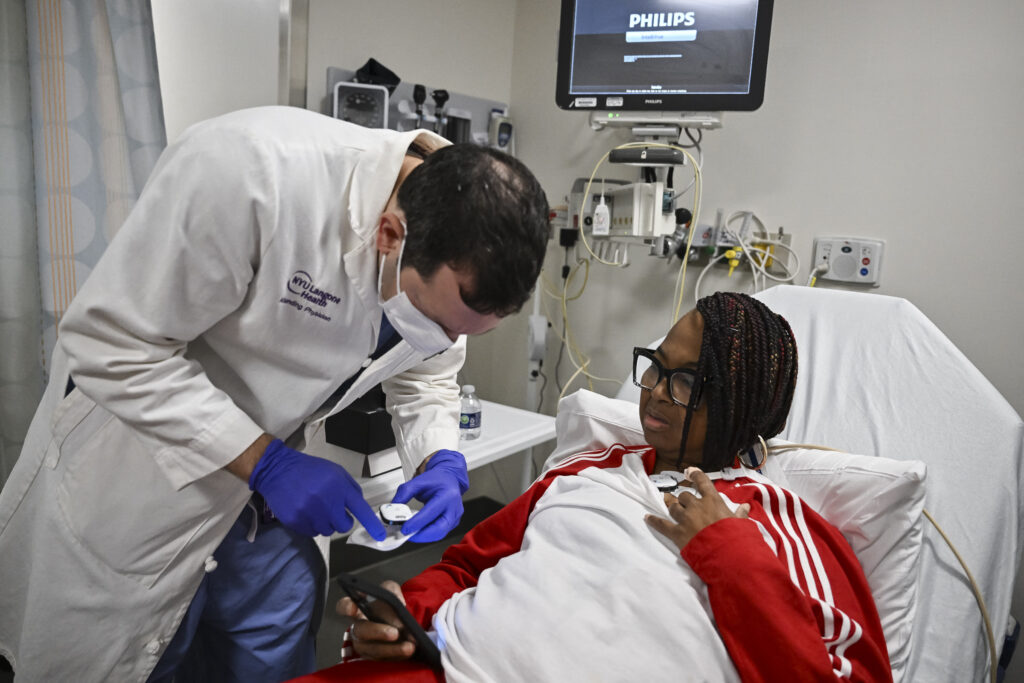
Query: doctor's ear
{"points": [[390, 232]]}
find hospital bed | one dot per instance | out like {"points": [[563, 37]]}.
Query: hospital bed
{"points": [[878, 378], [921, 429]]}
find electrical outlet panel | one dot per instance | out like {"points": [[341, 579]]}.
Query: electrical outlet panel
{"points": [[850, 259]]}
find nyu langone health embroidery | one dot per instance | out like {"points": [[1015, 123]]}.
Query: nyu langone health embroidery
{"points": [[301, 284]]}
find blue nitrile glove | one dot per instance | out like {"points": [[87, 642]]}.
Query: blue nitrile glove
{"points": [[309, 494], [440, 486]]}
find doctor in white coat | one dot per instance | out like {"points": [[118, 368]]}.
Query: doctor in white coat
{"points": [[277, 265]]}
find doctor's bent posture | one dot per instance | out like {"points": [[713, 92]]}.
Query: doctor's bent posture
{"points": [[160, 521]]}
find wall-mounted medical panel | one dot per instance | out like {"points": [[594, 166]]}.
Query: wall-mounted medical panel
{"points": [[850, 259]]}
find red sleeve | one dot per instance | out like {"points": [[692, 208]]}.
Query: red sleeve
{"points": [[498, 536], [795, 608]]}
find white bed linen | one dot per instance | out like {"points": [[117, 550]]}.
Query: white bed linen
{"points": [[877, 377]]}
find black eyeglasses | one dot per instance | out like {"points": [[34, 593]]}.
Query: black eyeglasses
{"points": [[684, 386]]}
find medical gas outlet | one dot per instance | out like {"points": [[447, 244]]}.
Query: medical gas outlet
{"points": [[770, 246], [849, 259]]}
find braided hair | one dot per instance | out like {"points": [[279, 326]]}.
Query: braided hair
{"points": [[749, 361]]}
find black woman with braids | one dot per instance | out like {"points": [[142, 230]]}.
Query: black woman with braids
{"points": [[674, 560]]}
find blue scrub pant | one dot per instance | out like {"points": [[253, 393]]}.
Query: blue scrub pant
{"points": [[254, 617]]}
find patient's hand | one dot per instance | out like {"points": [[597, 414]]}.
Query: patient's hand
{"points": [[373, 640], [691, 514]]}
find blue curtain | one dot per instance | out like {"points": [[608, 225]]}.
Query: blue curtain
{"points": [[82, 120]]}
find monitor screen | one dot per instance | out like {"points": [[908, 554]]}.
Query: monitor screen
{"points": [[663, 55]]}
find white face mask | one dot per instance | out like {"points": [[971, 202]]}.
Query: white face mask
{"points": [[420, 332]]}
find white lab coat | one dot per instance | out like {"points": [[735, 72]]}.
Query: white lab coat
{"points": [[239, 294]]}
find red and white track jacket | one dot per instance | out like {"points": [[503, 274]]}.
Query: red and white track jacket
{"points": [[568, 582]]}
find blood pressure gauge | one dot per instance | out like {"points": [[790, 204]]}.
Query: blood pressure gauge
{"points": [[395, 513], [361, 103]]}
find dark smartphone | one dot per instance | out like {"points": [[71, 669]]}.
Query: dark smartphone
{"points": [[357, 589]]}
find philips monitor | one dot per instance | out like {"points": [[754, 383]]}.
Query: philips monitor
{"points": [[663, 55]]}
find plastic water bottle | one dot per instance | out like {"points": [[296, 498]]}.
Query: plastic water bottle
{"points": [[469, 420]]}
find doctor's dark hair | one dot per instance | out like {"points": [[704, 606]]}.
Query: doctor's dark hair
{"points": [[479, 210], [748, 355]]}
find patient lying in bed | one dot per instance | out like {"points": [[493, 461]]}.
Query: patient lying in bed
{"points": [[596, 574]]}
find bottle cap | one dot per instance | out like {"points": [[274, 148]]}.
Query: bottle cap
{"points": [[468, 389]]}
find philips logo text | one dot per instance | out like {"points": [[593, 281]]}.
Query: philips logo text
{"points": [[661, 19]]}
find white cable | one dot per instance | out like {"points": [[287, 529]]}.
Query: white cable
{"points": [[759, 272], [565, 335], [572, 350], [755, 271], [703, 272], [818, 271], [750, 216], [791, 273], [977, 597], [700, 163]]}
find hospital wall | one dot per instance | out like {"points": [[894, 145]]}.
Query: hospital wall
{"points": [[214, 57], [463, 46], [217, 56]]}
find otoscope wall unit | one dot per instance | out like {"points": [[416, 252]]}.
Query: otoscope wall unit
{"points": [[456, 116]]}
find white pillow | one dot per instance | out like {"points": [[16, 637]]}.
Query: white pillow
{"points": [[875, 502]]}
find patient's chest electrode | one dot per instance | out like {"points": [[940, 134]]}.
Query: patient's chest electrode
{"points": [[665, 482], [668, 481]]}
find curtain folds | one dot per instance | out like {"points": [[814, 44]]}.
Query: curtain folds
{"points": [[82, 120], [21, 349]]}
